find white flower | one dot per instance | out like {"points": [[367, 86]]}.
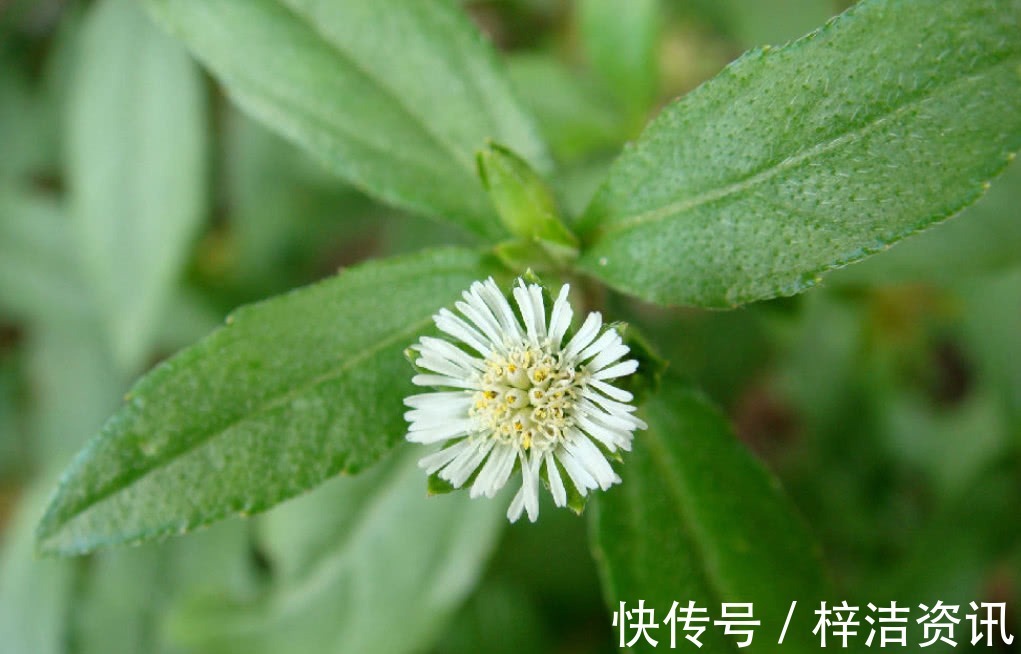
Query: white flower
{"points": [[517, 398]]}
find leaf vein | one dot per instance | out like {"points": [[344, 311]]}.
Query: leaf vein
{"points": [[681, 206], [662, 454], [465, 161]]}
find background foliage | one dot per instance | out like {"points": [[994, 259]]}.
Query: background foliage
{"points": [[163, 163]]}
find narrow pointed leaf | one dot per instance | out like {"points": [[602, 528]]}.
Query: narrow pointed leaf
{"points": [[621, 39], [292, 391], [696, 518], [36, 595], [803, 158], [39, 280], [394, 96], [136, 168]]}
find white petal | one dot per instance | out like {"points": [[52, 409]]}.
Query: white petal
{"points": [[527, 311], [439, 433], [424, 400], [437, 460], [461, 469], [517, 505], [451, 352], [485, 483], [589, 330], [534, 295], [622, 436], [556, 484], [443, 367], [443, 380], [602, 343], [611, 438], [624, 421], [530, 483], [532, 312], [580, 477], [608, 356], [592, 459], [425, 420], [483, 319], [619, 370], [492, 295], [611, 391], [560, 318], [503, 474], [608, 405], [457, 407], [473, 296], [449, 323]]}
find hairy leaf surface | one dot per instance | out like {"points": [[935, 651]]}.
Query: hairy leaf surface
{"points": [[799, 159]]}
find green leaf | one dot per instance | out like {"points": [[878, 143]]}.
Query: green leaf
{"points": [[76, 386], [35, 595], [39, 281], [136, 168], [24, 130], [990, 327], [396, 96], [349, 560], [288, 213], [575, 116], [698, 518], [124, 601], [985, 238], [499, 618], [621, 39], [799, 159], [292, 391]]}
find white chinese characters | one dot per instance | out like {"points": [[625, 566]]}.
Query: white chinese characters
{"points": [[838, 626]]}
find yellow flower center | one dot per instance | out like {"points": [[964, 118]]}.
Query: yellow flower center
{"points": [[526, 398]]}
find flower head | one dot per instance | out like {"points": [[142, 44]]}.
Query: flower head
{"points": [[516, 397]]}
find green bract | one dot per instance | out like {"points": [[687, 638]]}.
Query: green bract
{"points": [[524, 202]]}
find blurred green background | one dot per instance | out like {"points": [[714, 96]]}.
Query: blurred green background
{"points": [[887, 400]]}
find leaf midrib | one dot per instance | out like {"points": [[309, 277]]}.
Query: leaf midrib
{"points": [[463, 160], [682, 206], [93, 499], [397, 155], [659, 454]]}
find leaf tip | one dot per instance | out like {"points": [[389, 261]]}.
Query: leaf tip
{"points": [[48, 542]]}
